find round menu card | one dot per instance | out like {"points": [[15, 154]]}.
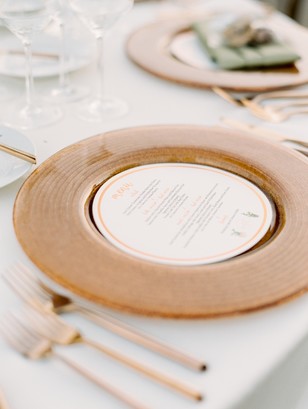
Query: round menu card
{"points": [[182, 214]]}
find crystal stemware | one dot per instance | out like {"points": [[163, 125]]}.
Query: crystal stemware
{"points": [[65, 91], [99, 16], [25, 18]]}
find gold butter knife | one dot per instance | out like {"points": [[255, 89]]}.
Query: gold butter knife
{"points": [[41, 54], [29, 157]]}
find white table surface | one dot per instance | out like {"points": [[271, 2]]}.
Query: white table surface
{"points": [[258, 360]]}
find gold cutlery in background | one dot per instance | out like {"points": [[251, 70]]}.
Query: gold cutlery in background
{"points": [[258, 98], [271, 112], [39, 54], [31, 345], [277, 112], [28, 157], [33, 292], [298, 145]]}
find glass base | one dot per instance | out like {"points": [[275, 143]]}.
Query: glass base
{"points": [[66, 94], [99, 110], [24, 116]]}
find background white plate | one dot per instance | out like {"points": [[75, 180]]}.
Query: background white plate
{"points": [[186, 47], [12, 168]]}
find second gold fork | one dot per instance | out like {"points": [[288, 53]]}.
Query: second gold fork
{"points": [[31, 345], [51, 326], [32, 291]]}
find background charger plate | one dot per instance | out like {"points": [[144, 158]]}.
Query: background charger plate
{"points": [[150, 47], [53, 223]]}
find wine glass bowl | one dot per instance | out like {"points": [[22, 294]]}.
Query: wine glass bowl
{"points": [[25, 18], [99, 16]]}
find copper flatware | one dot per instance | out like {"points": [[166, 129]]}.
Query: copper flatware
{"points": [[39, 54], [258, 98], [33, 346], [298, 145], [60, 332], [278, 112], [28, 157], [25, 283]]}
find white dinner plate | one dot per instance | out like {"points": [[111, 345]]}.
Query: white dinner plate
{"points": [[46, 49], [12, 168], [186, 47]]}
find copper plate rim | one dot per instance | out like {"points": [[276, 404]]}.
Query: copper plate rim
{"points": [[148, 47], [53, 224]]}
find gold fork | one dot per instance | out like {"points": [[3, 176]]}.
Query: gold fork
{"points": [[26, 284], [33, 346], [277, 113], [257, 99], [273, 112], [298, 145], [60, 332]]}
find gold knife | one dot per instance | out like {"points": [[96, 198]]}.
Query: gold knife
{"points": [[41, 54], [29, 157]]}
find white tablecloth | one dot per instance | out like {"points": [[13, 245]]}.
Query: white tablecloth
{"points": [[255, 361]]}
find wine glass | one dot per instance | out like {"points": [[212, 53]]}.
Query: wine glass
{"points": [[99, 16], [25, 18], [65, 91]]}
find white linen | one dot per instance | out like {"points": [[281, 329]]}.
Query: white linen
{"points": [[246, 354]]}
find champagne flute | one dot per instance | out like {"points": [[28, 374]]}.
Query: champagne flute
{"points": [[25, 18], [99, 16], [65, 91]]}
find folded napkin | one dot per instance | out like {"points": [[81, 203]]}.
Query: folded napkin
{"points": [[229, 58]]}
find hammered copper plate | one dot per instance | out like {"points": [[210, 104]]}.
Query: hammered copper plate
{"points": [[52, 220], [149, 48]]}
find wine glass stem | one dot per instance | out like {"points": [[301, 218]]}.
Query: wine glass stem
{"points": [[100, 66], [63, 78], [29, 75]]}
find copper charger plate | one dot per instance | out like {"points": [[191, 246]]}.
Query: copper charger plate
{"points": [[52, 218], [149, 48]]}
